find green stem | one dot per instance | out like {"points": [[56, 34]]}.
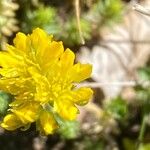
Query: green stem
{"points": [[142, 131], [143, 127]]}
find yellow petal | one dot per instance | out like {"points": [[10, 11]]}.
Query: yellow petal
{"points": [[67, 59], [20, 42], [66, 109], [42, 86], [81, 96], [38, 38], [10, 73], [51, 53], [43, 49], [6, 60], [11, 122], [16, 86], [38, 41], [6, 85], [27, 112], [47, 123], [80, 72]]}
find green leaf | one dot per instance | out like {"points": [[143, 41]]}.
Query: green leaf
{"points": [[110, 11], [117, 108], [43, 17], [5, 99]]}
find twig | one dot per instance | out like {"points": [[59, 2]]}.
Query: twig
{"points": [[115, 83], [125, 41], [77, 9], [141, 9]]}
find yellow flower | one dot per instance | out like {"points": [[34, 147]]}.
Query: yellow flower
{"points": [[41, 76]]}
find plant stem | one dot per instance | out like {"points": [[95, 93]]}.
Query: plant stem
{"points": [[77, 9], [143, 127]]}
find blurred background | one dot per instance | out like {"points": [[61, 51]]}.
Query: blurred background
{"points": [[115, 39]]}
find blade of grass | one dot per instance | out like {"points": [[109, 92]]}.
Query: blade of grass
{"points": [[77, 10]]}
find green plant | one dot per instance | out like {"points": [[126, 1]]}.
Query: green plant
{"points": [[117, 108]]}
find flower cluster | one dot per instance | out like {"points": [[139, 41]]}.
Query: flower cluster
{"points": [[41, 76]]}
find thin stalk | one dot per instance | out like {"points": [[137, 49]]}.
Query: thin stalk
{"points": [[143, 127], [142, 131], [77, 9]]}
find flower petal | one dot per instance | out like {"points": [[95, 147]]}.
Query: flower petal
{"points": [[67, 59], [81, 96], [47, 123], [11, 122], [51, 54], [38, 39], [6, 60], [20, 42], [10, 72], [42, 87], [66, 109], [28, 112], [80, 72]]}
